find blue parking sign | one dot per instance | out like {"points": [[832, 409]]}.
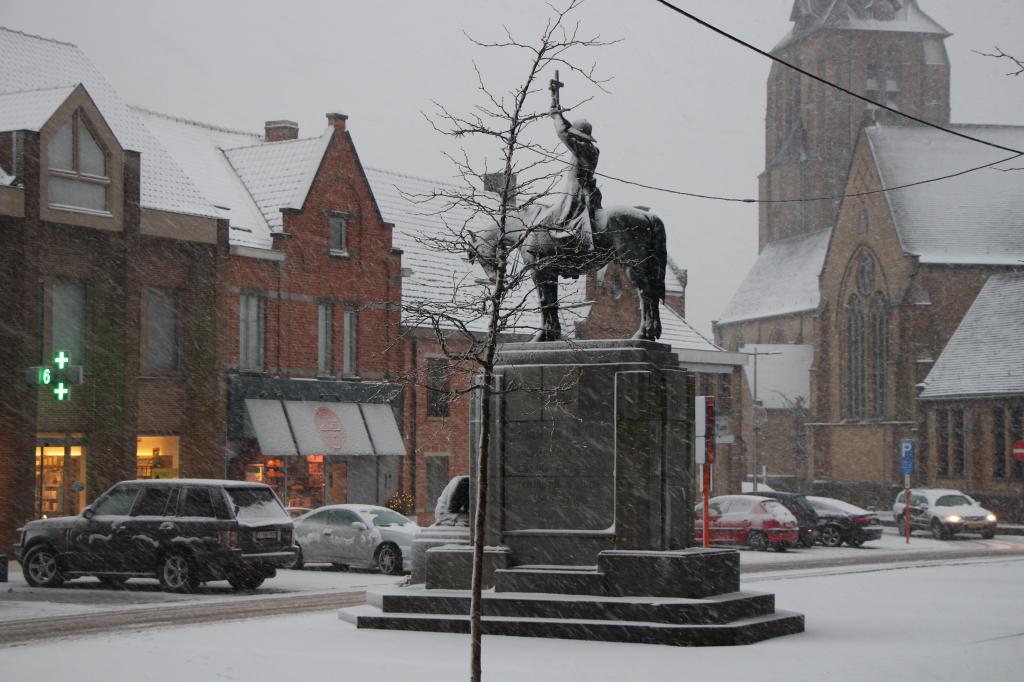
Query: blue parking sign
{"points": [[907, 456]]}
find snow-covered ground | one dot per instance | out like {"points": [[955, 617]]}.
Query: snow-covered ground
{"points": [[955, 622]]}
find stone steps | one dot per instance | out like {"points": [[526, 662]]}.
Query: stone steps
{"points": [[738, 632]]}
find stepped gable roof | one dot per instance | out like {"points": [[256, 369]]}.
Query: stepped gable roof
{"points": [[32, 63], [782, 281], [977, 218], [905, 16], [278, 175], [985, 355]]}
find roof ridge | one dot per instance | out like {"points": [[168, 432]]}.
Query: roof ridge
{"points": [[267, 143], [51, 87], [38, 37], [200, 124], [408, 176]]}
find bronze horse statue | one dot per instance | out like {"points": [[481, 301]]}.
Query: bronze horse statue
{"points": [[632, 237]]}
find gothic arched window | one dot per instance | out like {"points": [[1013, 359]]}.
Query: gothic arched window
{"points": [[854, 357], [879, 330]]}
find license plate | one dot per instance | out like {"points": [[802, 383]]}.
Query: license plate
{"points": [[266, 535]]}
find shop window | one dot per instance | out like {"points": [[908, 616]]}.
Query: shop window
{"points": [[252, 324], [60, 475], [437, 478], [324, 339], [350, 367], [438, 398], [157, 456], [162, 330], [77, 166]]}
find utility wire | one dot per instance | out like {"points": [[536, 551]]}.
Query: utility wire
{"points": [[830, 84]]}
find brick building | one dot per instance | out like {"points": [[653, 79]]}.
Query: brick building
{"points": [[869, 289], [111, 255]]}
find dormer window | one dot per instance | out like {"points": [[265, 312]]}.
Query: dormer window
{"points": [[77, 165]]}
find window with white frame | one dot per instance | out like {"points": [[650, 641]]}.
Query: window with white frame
{"points": [[77, 167], [325, 339], [349, 367], [339, 234], [251, 331], [162, 330]]}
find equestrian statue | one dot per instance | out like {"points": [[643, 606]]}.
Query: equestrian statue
{"points": [[576, 234]]}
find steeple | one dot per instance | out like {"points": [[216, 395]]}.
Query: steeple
{"points": [[890, 51]]}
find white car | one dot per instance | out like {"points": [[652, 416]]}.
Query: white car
{"points": [[943, 512], [358, 535]]}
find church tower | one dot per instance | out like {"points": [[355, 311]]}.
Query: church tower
{"points": [[888, 50]]}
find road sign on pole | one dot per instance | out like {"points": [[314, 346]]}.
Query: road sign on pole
{"points": [[907, 448], [1018, 450]]}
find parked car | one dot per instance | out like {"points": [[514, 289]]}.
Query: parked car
{"points": [[758, 522], [181, 531], [360, 535], [944, 512], [798, 505], [840, 522]]}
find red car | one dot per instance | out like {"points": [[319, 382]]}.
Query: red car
{"points": [[758, 522]]}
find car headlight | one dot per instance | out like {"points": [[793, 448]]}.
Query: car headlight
{"points": [[991, 517], [953, 518]]}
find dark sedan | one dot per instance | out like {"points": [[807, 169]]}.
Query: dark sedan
{"points": [[840, 522]]}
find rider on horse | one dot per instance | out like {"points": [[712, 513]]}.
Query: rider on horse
{"points": [[574, 214]]}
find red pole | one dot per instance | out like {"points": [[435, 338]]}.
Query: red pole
{"points": [[709, 459], [906, 513], [707, 493]]}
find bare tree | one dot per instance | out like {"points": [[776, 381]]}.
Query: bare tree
{"points": [[474, 315]]}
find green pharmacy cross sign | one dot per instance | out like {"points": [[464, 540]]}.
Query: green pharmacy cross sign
{"points": [[58, 376]]}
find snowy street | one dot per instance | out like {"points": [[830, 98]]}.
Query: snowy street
{"points": [[937, 622]]}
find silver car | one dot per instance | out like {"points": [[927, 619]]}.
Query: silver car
{"points": [[358, 535]]}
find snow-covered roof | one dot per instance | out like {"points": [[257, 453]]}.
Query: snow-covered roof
{"points": [[985, 355], [810, 16], [31, 109], [197, 148], [977, 218], [279, 174], [677, 332], [34, 63], [782, 281]]}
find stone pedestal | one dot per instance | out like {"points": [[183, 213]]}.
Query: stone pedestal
{"points": [[591, 491]]}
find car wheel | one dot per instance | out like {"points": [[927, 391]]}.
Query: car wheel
{"points": [[855, 543], [112, 581], [246, 581], [389, 559], [177, 573], [41, 567], [939, 531], [298, 560], [988, 535], [757, 541], [807, 540], [831, 536]]}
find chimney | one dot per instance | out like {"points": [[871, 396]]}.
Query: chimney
{"points": [[337, 121], [277, 131], [495, 182]]}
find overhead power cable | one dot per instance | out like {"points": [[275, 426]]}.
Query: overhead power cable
{"points": [[830, 84]]}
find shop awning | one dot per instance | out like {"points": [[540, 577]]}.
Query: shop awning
{"points": [[271, 427], [352, 429]]}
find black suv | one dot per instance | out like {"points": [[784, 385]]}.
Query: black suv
{"points": [[801, 509], [181, 531]]}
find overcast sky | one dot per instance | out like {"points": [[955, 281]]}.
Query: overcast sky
{"points": [[685, 108]]}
